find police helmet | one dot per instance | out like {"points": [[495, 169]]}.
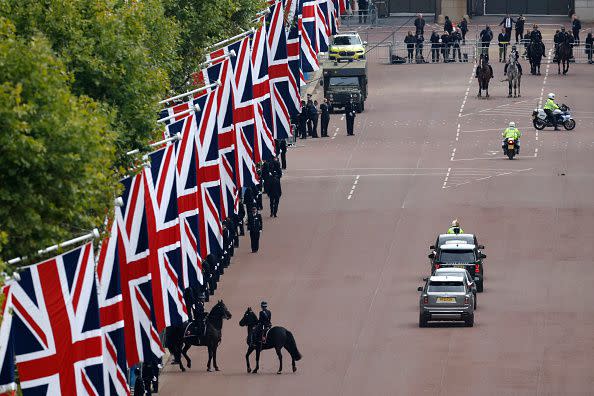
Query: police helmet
{"points": [[552, 96], [264, 304], [201, 296], [455, 223], [512, 124], [562, 28]]}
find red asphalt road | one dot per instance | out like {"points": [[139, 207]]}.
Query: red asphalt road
{"points": [[342, 274]]}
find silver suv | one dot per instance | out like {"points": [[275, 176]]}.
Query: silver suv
{"points": [[446, 298], [451, 271]]}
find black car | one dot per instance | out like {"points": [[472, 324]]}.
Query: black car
{"points": [[459, 251]]}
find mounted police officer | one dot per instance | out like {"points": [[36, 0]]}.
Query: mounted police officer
{"points": [[264, 322], [514, 55], [535, 34], [200, 315]]}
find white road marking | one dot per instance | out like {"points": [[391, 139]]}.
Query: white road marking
{"points": [[535, 152], [342, 118], [445, 181], [453, 154], [354, 186]]}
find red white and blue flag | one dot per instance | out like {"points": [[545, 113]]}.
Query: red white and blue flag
{"points": [[55, 326], [165, 262], [323, 24], [7, 380], [141, 336], [264, 143], [227, 137], [284, 95], [111, 309], [186, 164], [308, 34]]}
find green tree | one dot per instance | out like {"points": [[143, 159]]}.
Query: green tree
{"points": [[56, 150], [205, 22], [119, 52]]}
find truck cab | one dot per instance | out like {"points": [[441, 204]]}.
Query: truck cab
{"points": [[343, 81]]}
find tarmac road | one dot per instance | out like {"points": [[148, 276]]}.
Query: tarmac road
{"points": [[341, 264]]}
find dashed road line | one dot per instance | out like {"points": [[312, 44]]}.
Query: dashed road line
{"points": [[453, 154], [445, 181], [458, 133], [535, 152], [354, 186]]}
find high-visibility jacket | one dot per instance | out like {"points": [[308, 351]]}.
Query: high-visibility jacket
{"points": [[451, 230], [513, 133], [551, 105]]}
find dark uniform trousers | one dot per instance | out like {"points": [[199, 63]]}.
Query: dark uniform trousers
{"points": [[325, 122], [255, 226]]}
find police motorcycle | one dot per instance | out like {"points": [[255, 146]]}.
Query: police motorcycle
{"points": [[563, 114], [510, 148]]}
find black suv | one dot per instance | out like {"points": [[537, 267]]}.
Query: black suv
{"points": [[459, 251]]}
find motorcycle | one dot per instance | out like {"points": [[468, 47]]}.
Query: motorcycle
{"points": [[510, 148], [563, 114]]}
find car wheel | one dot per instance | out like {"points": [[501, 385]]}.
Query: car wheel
{"points": [[469, 321], [475, 302], [422, 320], [479, 286]]}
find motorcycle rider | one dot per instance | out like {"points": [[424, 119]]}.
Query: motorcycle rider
{"points": [[549, 107], [455, 228], [511, 132]]}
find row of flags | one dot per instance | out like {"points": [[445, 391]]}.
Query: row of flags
{"points": [[76, 323]]}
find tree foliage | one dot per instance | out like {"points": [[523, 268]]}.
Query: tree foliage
{"points": [[56, 150]]}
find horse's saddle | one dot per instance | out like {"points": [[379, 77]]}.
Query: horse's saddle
{"points": [[195, 331]]}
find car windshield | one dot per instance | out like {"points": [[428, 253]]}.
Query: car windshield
{"points": [[347, 40], [453, 237], [446, 287], [456, 257], [344, 81], [453, 273]]}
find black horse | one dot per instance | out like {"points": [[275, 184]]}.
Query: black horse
{"points": [[484, 73], [563, 56], [277, 338], [536, 51], [180, 338]]}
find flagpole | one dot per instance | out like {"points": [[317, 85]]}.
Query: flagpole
{"points": [[173, 138], [240, 35], [215, 84], [181, 113], [219, 58], [92, 235]]}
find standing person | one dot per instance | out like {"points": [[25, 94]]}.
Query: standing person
{"points": [[325, 109], [463, 25], [314, 118], [503, 40], [520, 27], [255, 228], [445, 46], [419, 49], [308, 115], [138, 382], [349, 111], [508, 24], [455, 39], [447, 25], [303, 120], [275, 168], [589, 43], [274, 194], [363, 10], [410, 42], [576, 26], [240, 217], [486, 36], [282, 151], [419, 25], [435, 46]]}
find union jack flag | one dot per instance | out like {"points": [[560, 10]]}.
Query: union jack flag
{"points": [[7, 384], [228, 156], [164, 258], [308, 32], [293, 50], [169, 111], [111, 310], [334, 16], [323, 24], [284, 95], [209, 178], [188, 199], [56, 329], [264, 142], [141, 337]]}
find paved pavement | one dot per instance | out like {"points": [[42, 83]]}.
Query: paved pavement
{"points": [[341, 264]]}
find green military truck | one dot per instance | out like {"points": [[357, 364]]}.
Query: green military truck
{"points": [[345, 80]]}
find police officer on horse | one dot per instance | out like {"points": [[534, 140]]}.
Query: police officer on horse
{"points": [[264, 322]]}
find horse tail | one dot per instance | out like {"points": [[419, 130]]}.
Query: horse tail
{"points": [[291, 346]]}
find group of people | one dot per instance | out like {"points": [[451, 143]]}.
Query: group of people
{"points": [[446, 45], [311, 113]]}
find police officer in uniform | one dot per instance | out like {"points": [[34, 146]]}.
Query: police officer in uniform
{"points": [[349, 111], [264, 321], [325, 118], [200, 314], [274, 193], [281, 150], [255, 228]]}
